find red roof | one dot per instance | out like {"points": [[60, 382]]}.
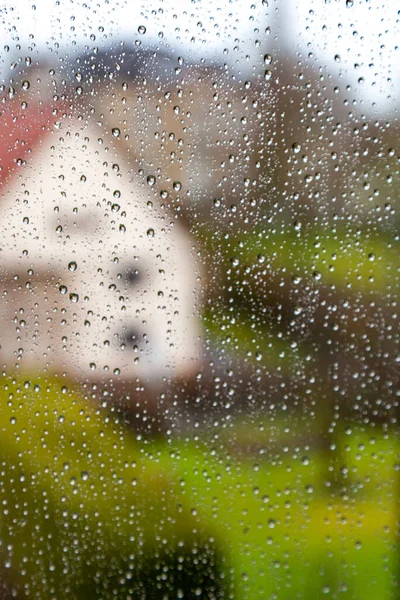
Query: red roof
{"points": [[21, 130]]}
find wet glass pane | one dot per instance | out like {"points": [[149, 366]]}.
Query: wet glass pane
{"points": [[199, 273]]}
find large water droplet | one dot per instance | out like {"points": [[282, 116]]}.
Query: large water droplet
{"points": [[296, 147]]}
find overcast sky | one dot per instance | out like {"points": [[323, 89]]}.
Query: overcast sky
{"points": [[356, 39]]}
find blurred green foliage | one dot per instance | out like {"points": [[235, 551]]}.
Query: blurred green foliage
{"points": [[345, 256], [93, 510], [303, 302], [86, 507]]}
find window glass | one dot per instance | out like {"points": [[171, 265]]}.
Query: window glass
{"points": [[199, 272]]}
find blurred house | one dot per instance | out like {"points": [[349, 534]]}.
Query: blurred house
{"points": [[190, 129], [98, 281]]}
